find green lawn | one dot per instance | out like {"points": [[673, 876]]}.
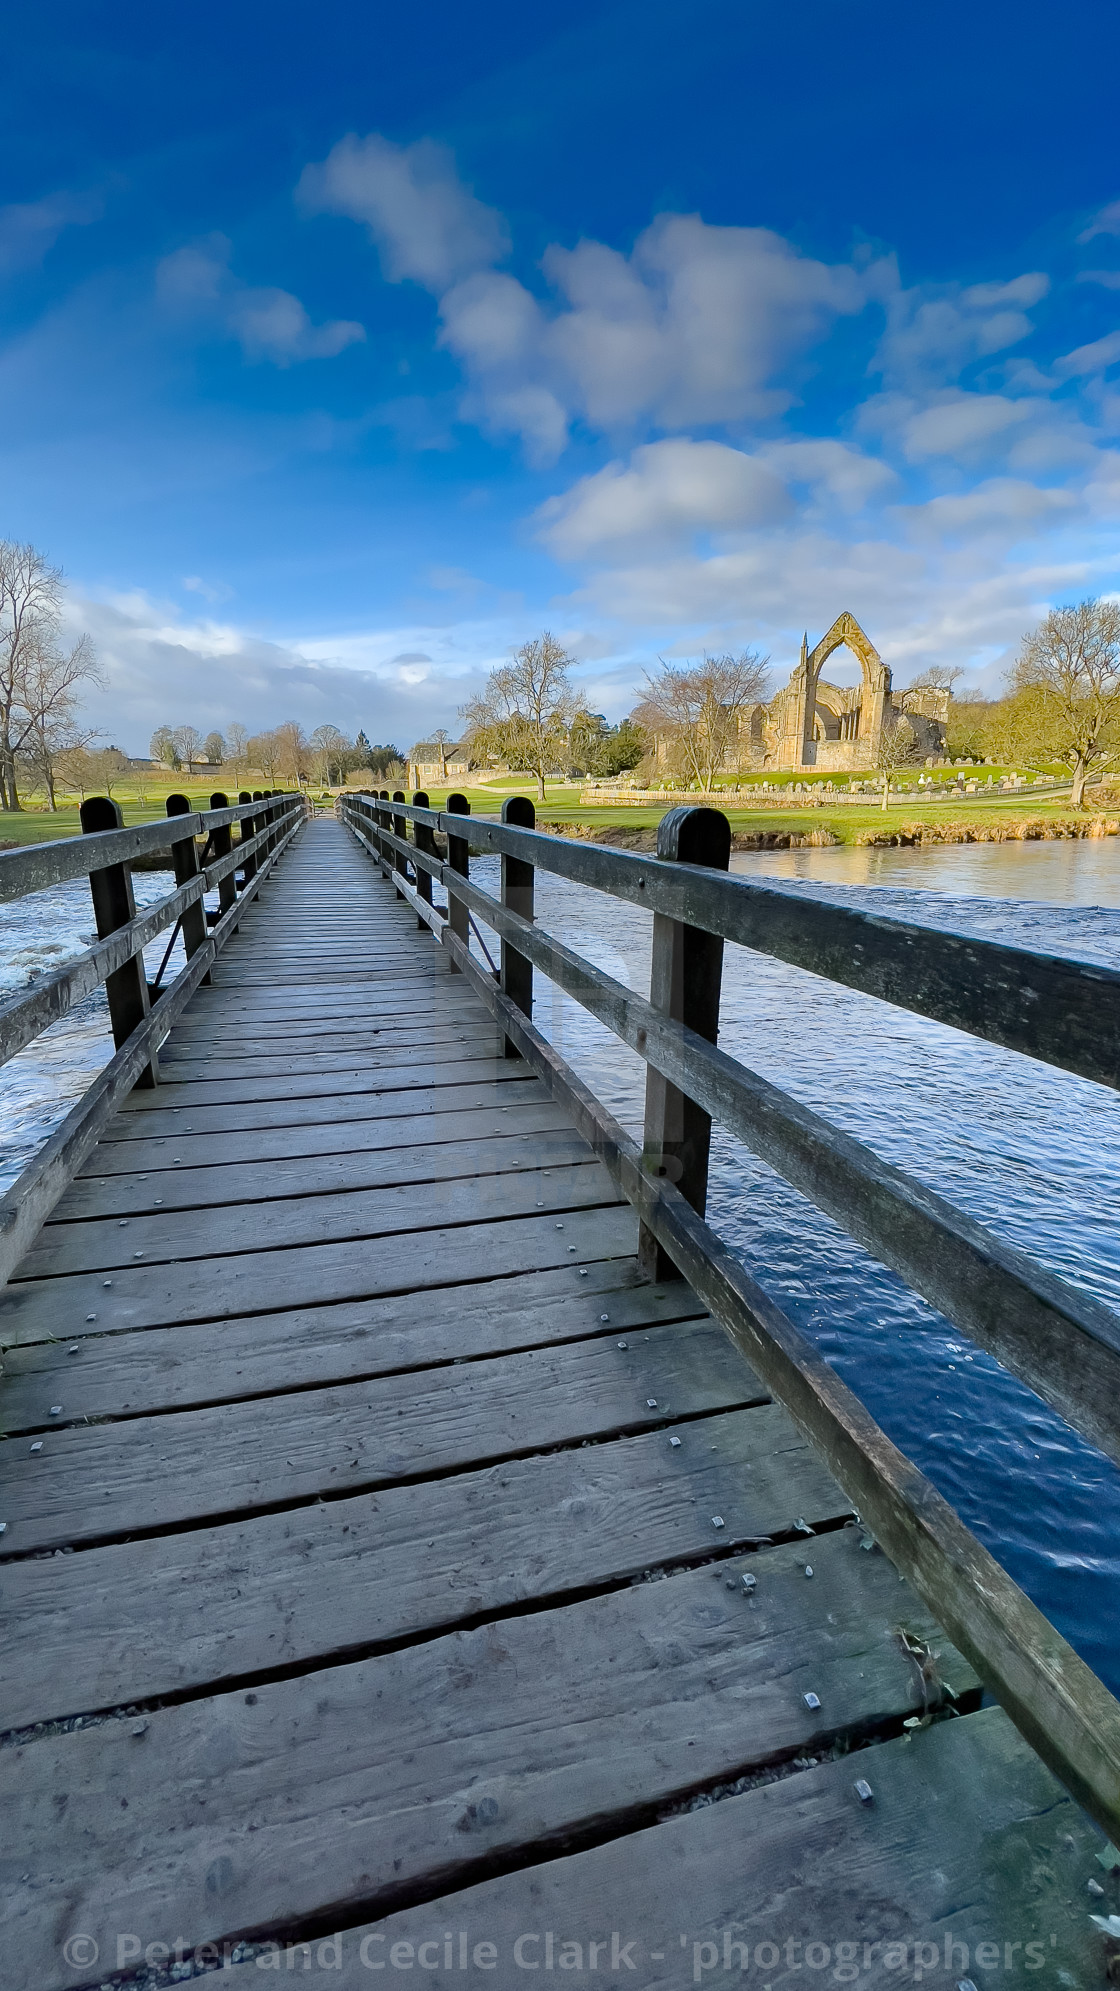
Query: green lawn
{"points": [[847, 821], [42, 826]]}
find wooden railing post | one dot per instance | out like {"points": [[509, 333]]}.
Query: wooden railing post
{"points": [[184, 856], [113, 906], [517, 893], [425, 841], [458, 857], [248, 830], [382, 826], [400, 828], [221, 843], [685, 985]]}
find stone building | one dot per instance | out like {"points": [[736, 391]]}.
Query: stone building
{"points": [[435, 763], [811, 723]]}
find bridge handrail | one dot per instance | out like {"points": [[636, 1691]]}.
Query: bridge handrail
{"points": [[1065, 1344], [37, 866], [141, 1013], [1054, 1007]]}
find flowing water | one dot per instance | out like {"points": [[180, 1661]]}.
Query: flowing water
{"points": [[37, 934], [1029, 1151]]}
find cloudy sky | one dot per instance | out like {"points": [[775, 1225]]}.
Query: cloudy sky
{"points": [[342, 348]]}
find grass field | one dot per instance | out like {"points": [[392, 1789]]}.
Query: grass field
{"points": [[991, 815]]}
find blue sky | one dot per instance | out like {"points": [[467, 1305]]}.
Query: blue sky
{"points": [[342, 348]]}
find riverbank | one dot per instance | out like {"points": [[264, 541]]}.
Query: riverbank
{"points": [[881, 833], [907, 823]]}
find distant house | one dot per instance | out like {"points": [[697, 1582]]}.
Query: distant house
{"points": [[435, 763]]}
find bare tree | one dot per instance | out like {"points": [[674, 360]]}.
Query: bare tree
{"points": [[188, 745], [898, 749], [294, 751], [441, 740], [524, 713], [937, 677], [214, 747], [237, 741], [48, 709], [330, 752], [264, 751], [107, 767], [1066, 683], [38, 676], [162, 746], [75, 768], [696, 709]]}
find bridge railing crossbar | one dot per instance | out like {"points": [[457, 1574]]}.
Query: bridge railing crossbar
{"points": [[141, 1012], [1063, 1343]]}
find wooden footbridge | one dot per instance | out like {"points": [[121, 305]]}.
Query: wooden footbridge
{"points": [[425, 1548]]}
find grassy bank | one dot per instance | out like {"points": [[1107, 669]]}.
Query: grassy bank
{"points": [[44, 826], [910, 820]]}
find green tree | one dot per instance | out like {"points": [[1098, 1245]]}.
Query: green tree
{"points": [[1066, 680], [622, 747], [586, 735]]}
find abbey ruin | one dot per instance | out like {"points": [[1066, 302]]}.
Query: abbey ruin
{"points": [[811, 723]]}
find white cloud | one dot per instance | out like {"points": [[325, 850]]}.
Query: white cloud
{"points": [[667, 491], [1094, 358], [933, 336], [427, 225], [398, 681], [1108, 279], [830, 470], [28, 229], [698, 325], [197, 282], [1105, 222], [947, 596], [1007, 507], [958, 424]]}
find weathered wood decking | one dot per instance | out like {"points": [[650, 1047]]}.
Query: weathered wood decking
{"points": [[375, 1549]]}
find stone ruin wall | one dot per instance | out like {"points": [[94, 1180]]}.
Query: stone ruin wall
{"points": [[812, 724]]}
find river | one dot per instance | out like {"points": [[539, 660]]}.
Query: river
{"points": [[1032, 1152]]}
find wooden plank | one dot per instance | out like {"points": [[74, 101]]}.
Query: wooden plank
{"points": [[371, 1167], [335, 1077], [171, 1237], [312, 1275], [174, 1613], [387, 1102], [342, 1080], [327, 1034], [98, 1480], [344, 1063], [970, 1858], [107, 1375], [531, 1112], [658, 1690]]}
